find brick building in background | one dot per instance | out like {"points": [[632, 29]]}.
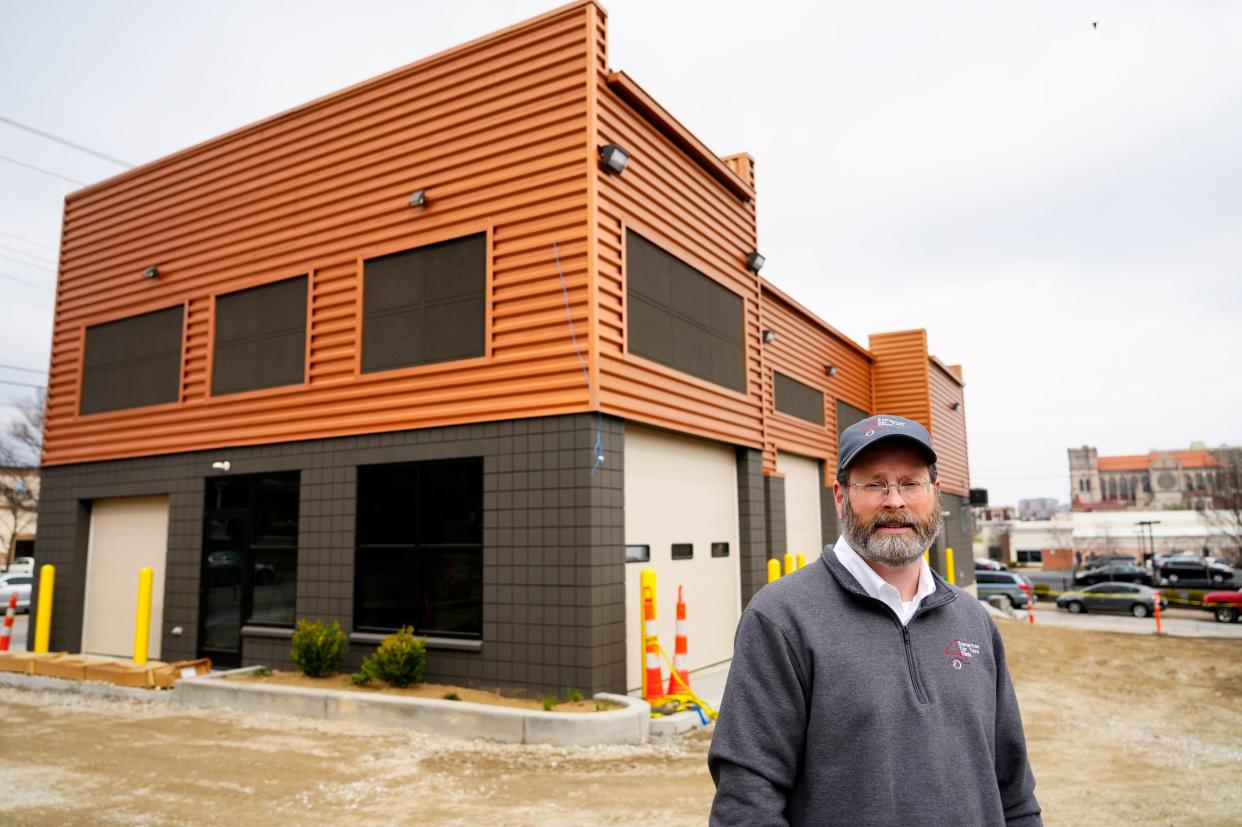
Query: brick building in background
{"points": [[422, 352]]}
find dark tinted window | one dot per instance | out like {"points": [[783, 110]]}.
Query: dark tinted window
{"points": [[720, 549], [797, 399], [420, 548], [425, 305], [988, 577], [260, 338], [681, 318], [848, 415], [637, 554], [133, 362], [683, 551]]}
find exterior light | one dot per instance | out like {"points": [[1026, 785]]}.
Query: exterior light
{"points": [[223, 465], [769, 336], [957, 406], [832, 370], [418, 199], [151, 273], [754, 261], [614, 158]]}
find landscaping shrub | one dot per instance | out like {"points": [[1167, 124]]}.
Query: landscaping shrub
{"points": [[451, 696], [573, 695], [400, 659], [318, 648], [548, 702]]}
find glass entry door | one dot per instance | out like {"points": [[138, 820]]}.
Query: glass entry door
{"points": [[249, 574]]}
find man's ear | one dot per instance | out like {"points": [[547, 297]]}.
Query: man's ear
{"points": [[838, 496]]}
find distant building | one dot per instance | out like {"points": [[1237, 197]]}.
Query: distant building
{"points": [[19, 496], [1159, 479], [1039, 508]]}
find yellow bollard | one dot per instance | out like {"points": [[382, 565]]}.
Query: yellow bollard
{"points": [[949, 571], [43, 624], [142, 623], [789, 562], [801, 561], [647, 592], [927, 556], [774, 570]]}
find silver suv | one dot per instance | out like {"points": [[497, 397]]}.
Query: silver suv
{"points": [[1007, 583]]}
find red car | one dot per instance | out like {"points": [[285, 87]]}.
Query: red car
{"points": [[1224, 605]]}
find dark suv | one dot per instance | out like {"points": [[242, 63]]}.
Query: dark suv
{"points": [[1189, 568], [1113, 573]]}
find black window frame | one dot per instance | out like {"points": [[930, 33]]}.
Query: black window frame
{"points": [[720, 549], [366, 544], [682, 551], [793, 397], [633, 554], [256, 342], [104, 376]]}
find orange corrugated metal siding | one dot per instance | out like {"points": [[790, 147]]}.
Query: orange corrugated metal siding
{"points": [[673, 201], [948, 429], [899, 374], [802, 350], [497, 131]]}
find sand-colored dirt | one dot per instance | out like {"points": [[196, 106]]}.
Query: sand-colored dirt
{"points": [[1122, 730]]}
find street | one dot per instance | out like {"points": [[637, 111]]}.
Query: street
{"points": [[1174, 622]]}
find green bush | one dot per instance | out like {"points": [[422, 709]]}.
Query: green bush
{"points": [[261, 672], [400, 659], [548, 702], [360, 679], [573, 695], [451, 696], [318, 648]]}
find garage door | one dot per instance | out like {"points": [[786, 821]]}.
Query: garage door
{"points": [[126, 534], [803, 530], [682, 491]]}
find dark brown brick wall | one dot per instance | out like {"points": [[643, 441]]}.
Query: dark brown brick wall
{"points": [[752, 522], [553, 565]]}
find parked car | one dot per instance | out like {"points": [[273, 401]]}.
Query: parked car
{"points": [[21, 565], [1013, 586], [1224, 606], [1132, 598], [1094, 561], [1177, 569], [1113, 573], [15, 582], [984, 564]]}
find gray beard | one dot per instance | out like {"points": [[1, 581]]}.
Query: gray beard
{"points": [[895, 551]]}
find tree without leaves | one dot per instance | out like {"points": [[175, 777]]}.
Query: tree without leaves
{"points": [[1226, 517], [21, 442]]}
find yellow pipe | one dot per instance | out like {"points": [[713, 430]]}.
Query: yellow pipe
{"points": [[774, 570], [927, 556], [789, 562], [801, 561], [646, 586], [43, 624], [142, 623], [949, 571]]}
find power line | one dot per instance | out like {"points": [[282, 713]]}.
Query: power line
{"points": [[28, 263], [24, 281], [44, 171], [27, 370], [66, 142], [22, 384], [23, 252], [28, 240]]}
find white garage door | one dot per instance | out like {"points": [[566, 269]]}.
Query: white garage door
{"points": [[126, 534], [681, 490], [803, 530]]}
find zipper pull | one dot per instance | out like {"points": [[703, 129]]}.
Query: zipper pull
{"points": [[905, 634]]}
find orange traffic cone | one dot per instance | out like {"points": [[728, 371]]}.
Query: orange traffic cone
{"points": [[681, 664], [653, 690]]}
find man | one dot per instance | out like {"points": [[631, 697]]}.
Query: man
{"points": [[864, 689]]}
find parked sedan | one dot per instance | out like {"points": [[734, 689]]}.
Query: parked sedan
{"points": [[1131, 598], [1013, 586], [985, 564], [1113, 573], [19, 583], [1175, 569], [1224, 606]]}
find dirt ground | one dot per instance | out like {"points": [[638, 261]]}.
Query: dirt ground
{"points": [[1122, 730]]}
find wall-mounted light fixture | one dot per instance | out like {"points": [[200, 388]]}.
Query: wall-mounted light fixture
{"points": [[222, 465], [614, 158], [832, 370], [755, 261], [769, 336], [151, 273], [957, 406], [418, 199]]}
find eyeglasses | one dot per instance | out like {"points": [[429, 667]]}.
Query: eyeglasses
{"points": [[909, 491]]}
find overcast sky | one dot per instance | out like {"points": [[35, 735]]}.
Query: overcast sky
{"points": [[1059, 205]]}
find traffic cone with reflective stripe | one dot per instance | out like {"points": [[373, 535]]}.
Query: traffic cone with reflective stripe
{"points": [[653, 679], [7, 634], [681, 664]]}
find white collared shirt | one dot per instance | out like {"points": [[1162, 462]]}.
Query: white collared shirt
{"points": [[876, 586]]}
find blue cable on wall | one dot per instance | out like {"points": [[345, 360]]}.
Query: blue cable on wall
{"points": [[598, 448]]}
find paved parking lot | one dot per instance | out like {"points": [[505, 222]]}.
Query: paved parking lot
{"points": [[1174, 622]]}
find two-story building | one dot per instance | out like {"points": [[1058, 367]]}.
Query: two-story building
{"points": [[462, 347]]}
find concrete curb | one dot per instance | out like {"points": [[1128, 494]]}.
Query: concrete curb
{"points": [[676, 724], [459, 719], [94, 688]]}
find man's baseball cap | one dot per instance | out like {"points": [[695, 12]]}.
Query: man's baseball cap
{"points": [[862, 435]]}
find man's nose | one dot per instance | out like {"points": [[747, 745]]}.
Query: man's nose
{"points": [[893, 498]]}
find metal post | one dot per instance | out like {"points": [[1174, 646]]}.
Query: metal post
{"points": [[43, 623], [949, 572], [774, 570], [142, 623]]}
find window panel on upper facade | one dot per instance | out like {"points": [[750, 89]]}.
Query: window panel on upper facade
{"points": [[260, 339], [133, 362], [425, 305], [681, 318], [798, 399]]}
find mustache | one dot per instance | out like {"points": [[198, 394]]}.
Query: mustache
{"points": [[897, 519]]}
